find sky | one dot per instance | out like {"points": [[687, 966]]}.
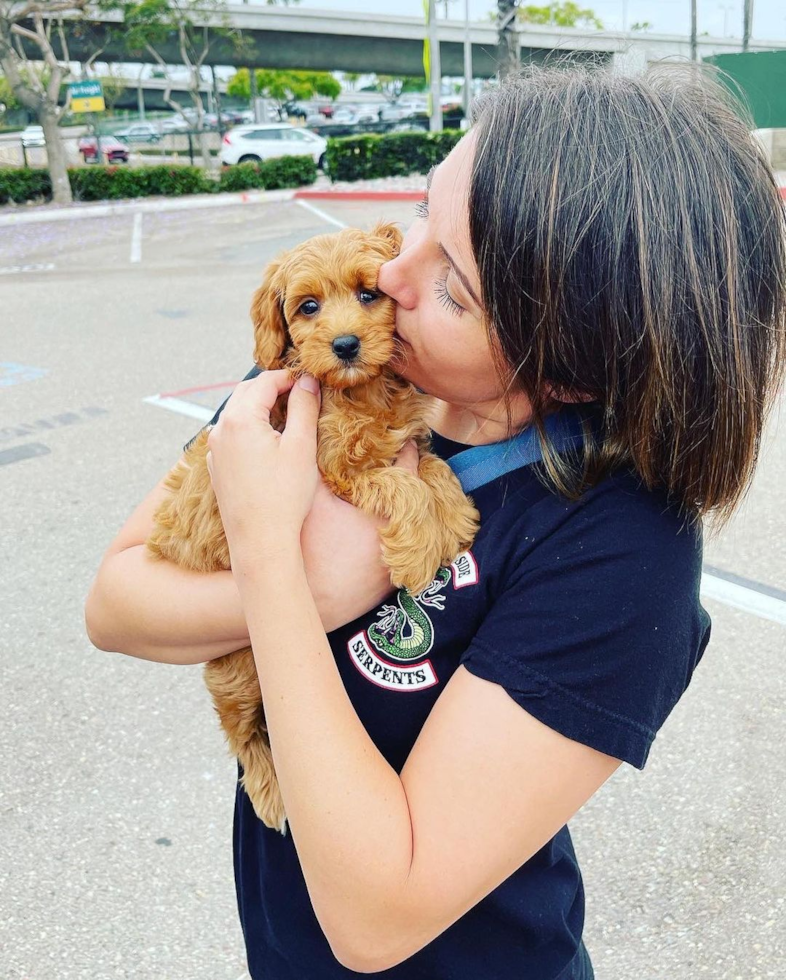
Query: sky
{"points": [[719, 17]]}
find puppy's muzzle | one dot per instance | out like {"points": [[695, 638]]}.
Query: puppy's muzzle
{"points": [[347, 347]]}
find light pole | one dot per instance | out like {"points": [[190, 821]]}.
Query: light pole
{"points": [[694, 54], [435, 70], [467, 63], [747, 23]]}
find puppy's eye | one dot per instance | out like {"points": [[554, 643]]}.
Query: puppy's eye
{"points": [[309, 308], [366, 297]]}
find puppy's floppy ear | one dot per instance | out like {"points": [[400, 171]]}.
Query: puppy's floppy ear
{"points": [[271, 338], [390, 238]]}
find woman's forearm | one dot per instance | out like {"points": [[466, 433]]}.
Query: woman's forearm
{"points": [[155, 610]]}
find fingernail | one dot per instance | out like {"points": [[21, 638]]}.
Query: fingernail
{"points": [[309, 383]]}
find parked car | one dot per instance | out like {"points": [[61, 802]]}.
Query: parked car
{"points": [[325, 110], [392, 113], [33, 136], [112, 150], [175, 124], [229, 117], [344, 115], [294, 111], [252, 143], [367, 113], [142, 132]]}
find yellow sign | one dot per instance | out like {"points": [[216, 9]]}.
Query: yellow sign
{"points": [[87, 96], [96, 104]]}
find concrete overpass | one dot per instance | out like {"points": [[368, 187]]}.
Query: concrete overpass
{"points": [[280, 37]]}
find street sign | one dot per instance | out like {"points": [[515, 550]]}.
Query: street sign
{"points": [[86, 96]]}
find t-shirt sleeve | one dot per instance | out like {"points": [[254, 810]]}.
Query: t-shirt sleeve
{"points": [[599, 628], [251, 374]]}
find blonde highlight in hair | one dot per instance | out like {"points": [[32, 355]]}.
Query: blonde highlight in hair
{"points": [[631, 245]]}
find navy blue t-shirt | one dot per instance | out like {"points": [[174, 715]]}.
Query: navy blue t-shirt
{"points": [[587, 613]]}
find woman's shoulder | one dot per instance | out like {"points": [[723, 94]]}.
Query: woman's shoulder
{"points": [[619, 515]]}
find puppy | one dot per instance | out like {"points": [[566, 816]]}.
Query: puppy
{"points": [[319, 311]]}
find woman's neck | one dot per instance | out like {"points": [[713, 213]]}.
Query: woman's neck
{"points": [[476, 425]]}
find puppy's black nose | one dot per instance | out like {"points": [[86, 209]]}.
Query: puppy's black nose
{"points": [[347, 347]]}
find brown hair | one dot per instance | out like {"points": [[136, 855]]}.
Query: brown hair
{"points": [[629, 237]]}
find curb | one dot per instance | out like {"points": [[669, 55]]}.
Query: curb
{"points": [[145, 206], [362, 195]]}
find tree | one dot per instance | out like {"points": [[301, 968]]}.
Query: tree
{"points": [[566, 14], [36, 80], [148, 24], [284, 86], [641, 25], [507, 36], [352, 78], [393, 86]]}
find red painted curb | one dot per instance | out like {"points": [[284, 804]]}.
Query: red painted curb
{"points": [[363, 195], [189, 391]]}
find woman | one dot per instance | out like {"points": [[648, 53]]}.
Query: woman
{"points": [[602, 246]]}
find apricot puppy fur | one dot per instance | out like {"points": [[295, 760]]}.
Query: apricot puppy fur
{"points": [[319, 311]]}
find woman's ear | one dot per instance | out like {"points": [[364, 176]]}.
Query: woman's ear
{"points": [[271, 338], [390, 236]]}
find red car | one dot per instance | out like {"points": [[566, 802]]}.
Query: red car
{"points": [[112, 150]]}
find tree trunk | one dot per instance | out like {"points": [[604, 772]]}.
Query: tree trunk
{"points": [[507, 37], [208, 161], [55, 151]]}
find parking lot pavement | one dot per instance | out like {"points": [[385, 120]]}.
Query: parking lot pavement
{"points": [[117, 792]]}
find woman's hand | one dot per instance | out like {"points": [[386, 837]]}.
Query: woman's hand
{"points": [[264, 480], [270, 496], [342, 554]]}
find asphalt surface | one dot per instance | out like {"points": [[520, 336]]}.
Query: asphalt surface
{"points": [[116, 791]]}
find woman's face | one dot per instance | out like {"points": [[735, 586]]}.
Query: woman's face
{"points": [[445, 348]]}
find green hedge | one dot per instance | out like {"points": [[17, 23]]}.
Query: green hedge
{"points": [[93, 183], [118, 182], [364, 157], [18, 185], [269, 175]]}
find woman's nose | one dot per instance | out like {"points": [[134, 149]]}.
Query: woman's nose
{"points": [[393, 281]]}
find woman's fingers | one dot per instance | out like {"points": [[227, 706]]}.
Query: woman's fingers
{"points": [[258, 395], [303, 411]]}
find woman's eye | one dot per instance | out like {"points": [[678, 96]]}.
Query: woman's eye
{"points": [[444, 297], [309, 308], [365, 296], [421, 209]]}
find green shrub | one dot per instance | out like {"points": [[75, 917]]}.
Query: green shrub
{"points": [[116, 182], [269, 175], [364, 157], [18, 184]]}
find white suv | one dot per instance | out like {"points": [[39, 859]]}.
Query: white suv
{"points": [[255, 142]]}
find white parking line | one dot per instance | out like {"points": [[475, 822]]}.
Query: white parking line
{"points": [[745, 598], [320, 214], [136, 238], [182, 407]]}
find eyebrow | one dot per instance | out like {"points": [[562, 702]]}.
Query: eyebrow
{"points": [[461, 277]]}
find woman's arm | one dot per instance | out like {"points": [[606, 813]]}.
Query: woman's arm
{"points": [[155, 610]]}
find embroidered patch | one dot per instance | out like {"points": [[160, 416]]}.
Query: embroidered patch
{"points": [[405, 632]]}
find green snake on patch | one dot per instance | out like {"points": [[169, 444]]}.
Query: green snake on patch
{"points": [[388, 634]]}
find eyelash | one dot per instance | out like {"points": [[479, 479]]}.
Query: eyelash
{"points": [[444, 297], [440, 285]]}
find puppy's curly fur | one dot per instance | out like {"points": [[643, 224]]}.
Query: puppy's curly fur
{"points": [[321, 290]]}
